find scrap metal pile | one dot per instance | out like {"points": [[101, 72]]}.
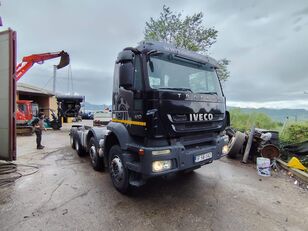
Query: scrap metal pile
{"points": [[264, 143], [258, 142]]}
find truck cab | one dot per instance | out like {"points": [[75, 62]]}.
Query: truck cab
{"points": [[168, 115]]}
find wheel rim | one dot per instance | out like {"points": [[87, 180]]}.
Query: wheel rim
{"points": [[71, 140], [93, 153], [117, 170]]}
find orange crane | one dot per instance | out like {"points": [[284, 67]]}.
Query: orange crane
{"points": [[29, 61], [24, 107]]}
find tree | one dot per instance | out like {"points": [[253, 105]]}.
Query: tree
{"points": [[188, 32]]}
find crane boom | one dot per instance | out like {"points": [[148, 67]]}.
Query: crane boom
{"points": [[29, 61]]}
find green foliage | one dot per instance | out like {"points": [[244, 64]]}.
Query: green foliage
{"points": [[244, 121], [185, 32], [223, 72], [295, 132]]}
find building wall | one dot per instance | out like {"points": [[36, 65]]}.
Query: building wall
{"points": [[53, 105]]}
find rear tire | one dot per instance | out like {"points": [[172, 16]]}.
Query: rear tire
{"points": [[72, 142], [96, 161], [79, 149], [118, 172]]}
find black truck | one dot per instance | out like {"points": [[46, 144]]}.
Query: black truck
{"points": [[168, 115]]}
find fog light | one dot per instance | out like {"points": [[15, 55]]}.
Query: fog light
{"points": [[225, 149], [161, 152], [161, 165]]}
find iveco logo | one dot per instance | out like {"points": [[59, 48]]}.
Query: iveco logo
{"points": [[201, 117]]}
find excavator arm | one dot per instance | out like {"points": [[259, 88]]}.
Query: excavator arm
{"points": [[29, 61]]}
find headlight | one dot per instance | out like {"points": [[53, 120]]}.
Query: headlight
{"points": [[161, 165], [160, 152], [225, 149]]}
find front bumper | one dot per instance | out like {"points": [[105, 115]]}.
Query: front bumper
{"points": [[181, 157]]}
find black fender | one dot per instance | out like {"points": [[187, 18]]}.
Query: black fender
{"points": [[120, 131], [74, 129], [98, 133]]}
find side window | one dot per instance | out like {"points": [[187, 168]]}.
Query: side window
{"points": [[138, 75]]}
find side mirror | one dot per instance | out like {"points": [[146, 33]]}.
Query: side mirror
{"points": [[126, 75], [125, 56]]}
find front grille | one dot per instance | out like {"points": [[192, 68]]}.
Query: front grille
{"points": [[178, 118], [198, 126], [199, 145], [180, 123], [199, 140]]}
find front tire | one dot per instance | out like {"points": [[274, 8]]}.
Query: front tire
{"points": [[96, 161], [118, 172]]}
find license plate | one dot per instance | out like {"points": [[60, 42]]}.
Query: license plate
{"points": [[203, 157]]}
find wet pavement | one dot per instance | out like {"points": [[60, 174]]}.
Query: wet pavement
{"points": [[67, 194]]}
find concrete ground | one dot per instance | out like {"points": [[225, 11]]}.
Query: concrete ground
{"points": [[67, 194]]}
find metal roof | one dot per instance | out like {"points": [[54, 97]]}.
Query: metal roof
{"points": [[27, 88]]}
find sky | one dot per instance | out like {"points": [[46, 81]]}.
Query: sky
{"points": [[266, 41]]}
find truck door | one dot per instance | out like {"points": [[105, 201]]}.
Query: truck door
{"points": [[127, 102]]}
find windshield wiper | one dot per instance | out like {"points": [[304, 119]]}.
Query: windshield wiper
{"points": [[207, 92], [176, 88]]}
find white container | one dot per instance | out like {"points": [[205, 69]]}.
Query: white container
{"points": [[264, 166]]}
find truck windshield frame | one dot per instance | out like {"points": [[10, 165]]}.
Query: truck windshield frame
{"points": [[168, 72]]}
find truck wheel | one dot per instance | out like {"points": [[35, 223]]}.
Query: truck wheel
{"points": [[72, 142], [118, 172], [96, 161], [79, 149]]}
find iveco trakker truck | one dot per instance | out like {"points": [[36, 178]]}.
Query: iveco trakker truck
{"points": [[168, 115]]}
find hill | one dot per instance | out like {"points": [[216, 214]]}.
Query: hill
{"points": [[279, 115], [95, 107]]}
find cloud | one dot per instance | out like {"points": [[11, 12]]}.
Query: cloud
{"points": [[265, 41]]}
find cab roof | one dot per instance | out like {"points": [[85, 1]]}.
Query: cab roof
{"points": [[149, 46]]}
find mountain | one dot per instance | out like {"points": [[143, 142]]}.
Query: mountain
{"points": [[94, 107], [279, 115]]}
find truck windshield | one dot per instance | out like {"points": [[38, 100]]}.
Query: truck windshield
{"points": [[181, 75]]}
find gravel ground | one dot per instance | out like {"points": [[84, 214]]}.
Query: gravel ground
{"points": [[65, 193]]}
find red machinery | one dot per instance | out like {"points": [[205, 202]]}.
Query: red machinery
{"points": [[24, 107], [28, 61], [24, 110]]}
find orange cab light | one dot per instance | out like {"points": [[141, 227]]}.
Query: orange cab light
{"points": [[141, 152]]}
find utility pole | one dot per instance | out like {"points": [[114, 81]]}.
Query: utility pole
{"points": [[54, 79]]}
